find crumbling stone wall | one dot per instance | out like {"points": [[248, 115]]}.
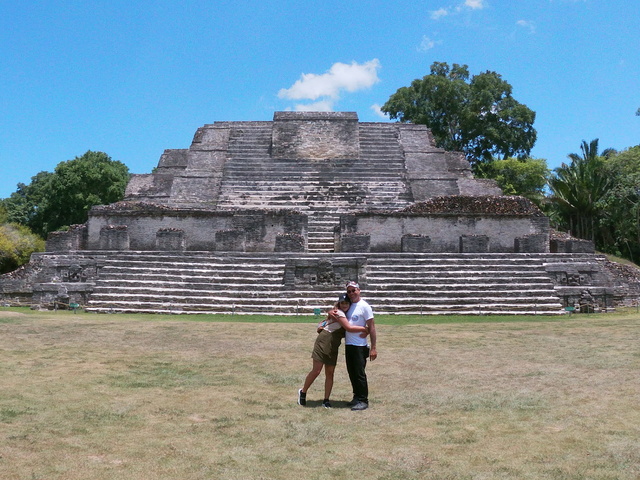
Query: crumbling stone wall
{"points": [[51, 280], [73, 239], [454, 225], [201, 230]]}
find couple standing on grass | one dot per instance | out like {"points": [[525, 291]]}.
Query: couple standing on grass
{"points": [[352, 318]]}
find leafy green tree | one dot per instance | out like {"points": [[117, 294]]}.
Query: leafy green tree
{"points": [[25, 205], [62, 198], [578, 190], [622, 204], [477, 115], [17, 243], [527, 177], [79, 184]]}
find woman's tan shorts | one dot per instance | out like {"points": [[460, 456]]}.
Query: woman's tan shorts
{"points": [[325, 349]]}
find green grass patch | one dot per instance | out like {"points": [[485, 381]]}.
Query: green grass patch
{"points": [[7, 314]]}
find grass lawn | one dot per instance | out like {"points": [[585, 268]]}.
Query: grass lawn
{"points": [[134, 397]]}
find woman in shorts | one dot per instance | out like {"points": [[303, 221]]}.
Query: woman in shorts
{"points": [[325, 348]]}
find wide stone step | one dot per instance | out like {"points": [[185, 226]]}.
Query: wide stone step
{"points": [[122, 276], [213, 292], [293, 310], [313, 184], [392, 283], [204, 266], [327, 197], [294, 199], [190, 297], [292, 177], [377, 163], [450, 283]]}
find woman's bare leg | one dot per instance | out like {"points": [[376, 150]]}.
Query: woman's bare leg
{"points": [[312, 375], [329, 370]]}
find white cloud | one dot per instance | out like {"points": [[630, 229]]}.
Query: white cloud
{"points": [[438, 14], [340, 77], [377, 110], [474, 4], [320, 106], [426, 44], [467, 4], [527, 24]]}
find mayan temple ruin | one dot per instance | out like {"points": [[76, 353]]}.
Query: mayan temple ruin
{"points": [[274, 217]]}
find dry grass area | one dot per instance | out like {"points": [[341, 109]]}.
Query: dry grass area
{"points": [[105, 397]]}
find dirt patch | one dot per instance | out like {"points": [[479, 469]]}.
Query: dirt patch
{"points": [[11, 314]]}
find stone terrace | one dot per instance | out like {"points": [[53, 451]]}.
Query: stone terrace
{"points": [[292, 284]]}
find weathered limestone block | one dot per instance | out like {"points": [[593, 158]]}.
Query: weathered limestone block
{"points": [[151, 187], [457, 164], [211, 137], [536, 243], [426, 164], [253, 225], [231, 241], [173, 160], [573, 245], [413, 243], [196, 189], [333, 273], [474, 244], [73, 239], [424, 188], [114, 237], [356, 243], [209, 161], [289, 242], [417, 138], [478, 186], [169, 239], [315, 135], [295, 223]]}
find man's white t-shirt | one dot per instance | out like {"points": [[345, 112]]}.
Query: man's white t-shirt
{"points": [[358, 315]]}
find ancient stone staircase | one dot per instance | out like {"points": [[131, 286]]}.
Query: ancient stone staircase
{"points": [[253, 179], [429, 284], [462, 284]]}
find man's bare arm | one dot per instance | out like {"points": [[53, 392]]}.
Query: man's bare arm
{"points": [[373, 353], [346, 325]]}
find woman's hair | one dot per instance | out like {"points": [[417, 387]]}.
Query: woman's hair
{"points": [[337, 305]]}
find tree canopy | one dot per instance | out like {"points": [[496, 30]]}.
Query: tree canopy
{"points": [[477, 115], [62, 198], [621, 225], [526, 177], [578, 189]]}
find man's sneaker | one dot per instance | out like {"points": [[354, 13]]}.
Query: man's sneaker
{"points": [[360, 406], [352, 402], [326, 403], [302, 398]]}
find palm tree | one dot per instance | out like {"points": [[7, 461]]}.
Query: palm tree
{"points": [[578, 189]]}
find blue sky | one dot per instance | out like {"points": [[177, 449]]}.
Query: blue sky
{"points": [[132, 78]]}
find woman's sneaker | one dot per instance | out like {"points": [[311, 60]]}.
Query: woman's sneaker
{"points": [[302, 398], [326, 403]]}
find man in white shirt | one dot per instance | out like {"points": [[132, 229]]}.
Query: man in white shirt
{"points": [[356, 348]]}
